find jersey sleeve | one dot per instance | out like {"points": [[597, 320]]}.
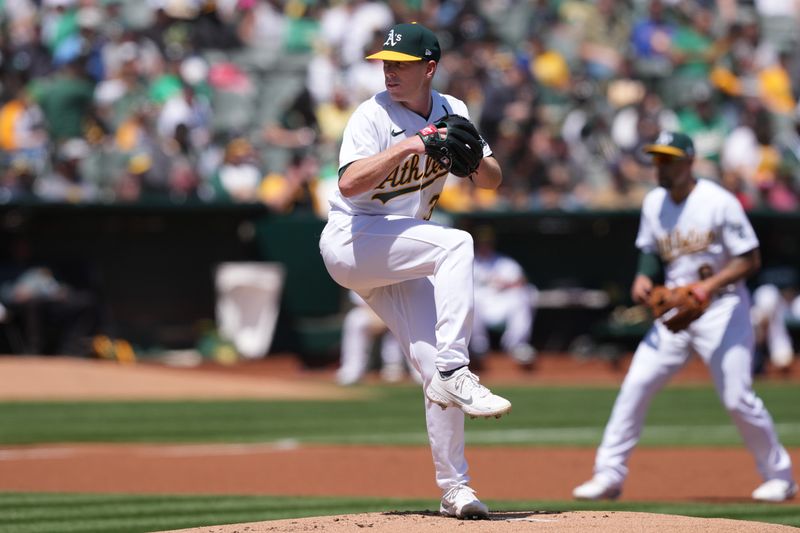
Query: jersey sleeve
{"points": [[738, 235], [645, 238], [360, 138]]}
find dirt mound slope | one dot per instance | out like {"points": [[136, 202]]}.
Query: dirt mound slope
{"points": [[501, 522]]}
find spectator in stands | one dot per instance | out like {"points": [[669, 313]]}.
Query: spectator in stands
{"points": [[65, 98], [364, 77], [125, 89], [788, 144], [297, 126], [349, 26], [191, 109], [651, 38], [587, 131], [775, 85], [746, 159], [509, 101], [705, 123], [783, 194], [638, 123], [239, 177], [65, 183], [29, 55], [603, 74], [332, 115], [22, 132], [58, 22], [16, 182], [263, 25], [87, 42], [294, 190], [209, 30], [606, 31], [694, 48]]}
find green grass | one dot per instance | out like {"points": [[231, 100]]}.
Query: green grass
{"points": [[95, 513], [393, 415], [542, 416]]}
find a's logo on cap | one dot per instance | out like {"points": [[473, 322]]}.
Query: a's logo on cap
{"points": [[393, 38], [664, 137]]}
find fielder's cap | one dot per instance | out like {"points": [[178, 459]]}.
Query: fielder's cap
{"points": [[672, 143], [409, 42]]}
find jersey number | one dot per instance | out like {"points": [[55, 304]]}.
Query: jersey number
{"points": [[432, 203]]}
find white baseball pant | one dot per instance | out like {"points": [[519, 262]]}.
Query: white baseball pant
{"points": [[417, 276], [512, 308], [770, 307], [723, 338]]}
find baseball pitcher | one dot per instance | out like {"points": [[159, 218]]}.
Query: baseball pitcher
{"points": [[397, 150]]}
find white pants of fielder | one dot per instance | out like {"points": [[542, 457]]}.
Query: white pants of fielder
{"points": [[723, 338], [360, 330], [417, 277], [513, 309], [770, 310]]}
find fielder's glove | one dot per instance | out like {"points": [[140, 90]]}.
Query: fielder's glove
{"points": [[677, 307], [459, 151]]}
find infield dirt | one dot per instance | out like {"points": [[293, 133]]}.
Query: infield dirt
{"points": [[658, 474]]}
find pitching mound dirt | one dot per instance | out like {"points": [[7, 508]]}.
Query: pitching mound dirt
{"points": [[513, 521]]}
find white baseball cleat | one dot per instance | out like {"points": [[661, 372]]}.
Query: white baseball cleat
{"points": [[460, 501], [775, 490], [597, 489], [463, 390]]}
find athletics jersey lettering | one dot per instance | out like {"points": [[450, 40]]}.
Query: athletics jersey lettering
{"points": [[408, 173], [677, 243], [408, 187]]}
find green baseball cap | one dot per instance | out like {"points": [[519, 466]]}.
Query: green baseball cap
{"points": [[672, 143], [409, 42]]}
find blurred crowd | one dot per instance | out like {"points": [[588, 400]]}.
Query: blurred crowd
{"points": [[246, 100]]}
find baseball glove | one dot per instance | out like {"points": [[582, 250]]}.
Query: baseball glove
{"points": [[459, 151], [677, 307]]}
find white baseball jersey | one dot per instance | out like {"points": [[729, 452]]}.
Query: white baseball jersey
{"points": [[411, 189], [697, 237], [492, 276]]}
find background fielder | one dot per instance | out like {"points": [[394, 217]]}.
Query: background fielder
{"points": [[360, 330], [701, 235], [503, 299]]}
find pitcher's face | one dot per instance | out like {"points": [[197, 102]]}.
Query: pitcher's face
{"points": [[405, 80]]}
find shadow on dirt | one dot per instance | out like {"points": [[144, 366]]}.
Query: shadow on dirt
{"points": [[521, 516]]}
